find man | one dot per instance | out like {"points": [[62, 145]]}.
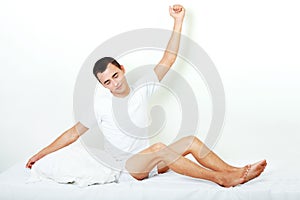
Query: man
{"points": [[134, 153]]}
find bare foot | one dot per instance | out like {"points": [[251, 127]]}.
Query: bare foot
{"points": [[241, 175], [254, 170]]}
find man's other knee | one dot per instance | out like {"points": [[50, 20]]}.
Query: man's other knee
{"points": [[158, 147], [191, 139], [189, 142]]}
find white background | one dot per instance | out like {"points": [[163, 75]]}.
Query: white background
{"points": [[254, 44]]}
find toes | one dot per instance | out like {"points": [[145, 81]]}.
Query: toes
{"points": [[248, 167], [262, 163], [244, 177]]}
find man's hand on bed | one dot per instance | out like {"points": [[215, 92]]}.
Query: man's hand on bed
{"points": [[31, 161]]}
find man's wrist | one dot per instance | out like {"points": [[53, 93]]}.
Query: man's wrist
{"points": [[177, 25], [178, 21]]}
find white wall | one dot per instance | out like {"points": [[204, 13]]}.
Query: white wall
{"points": [[255, 46]]}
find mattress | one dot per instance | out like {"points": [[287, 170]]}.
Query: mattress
{"points": [[275, 183]]}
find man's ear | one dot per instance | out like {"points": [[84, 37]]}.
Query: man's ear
{"points": [[122, 68]]}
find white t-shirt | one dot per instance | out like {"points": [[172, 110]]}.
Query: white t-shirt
{"points": [[124, 121]]}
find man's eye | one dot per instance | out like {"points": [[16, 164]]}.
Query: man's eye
{"points": [[107, 83], [116, 76]]}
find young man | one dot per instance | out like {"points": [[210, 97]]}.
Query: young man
{"points": [[134, 153]]}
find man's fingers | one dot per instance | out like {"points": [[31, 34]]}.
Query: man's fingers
{"points": [[170, 9], [177, 8], [29, 164]]}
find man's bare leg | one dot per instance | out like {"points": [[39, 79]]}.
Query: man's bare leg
{"points": [[141, 164], [210, 160]]}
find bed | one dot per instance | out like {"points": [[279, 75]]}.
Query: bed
{"points": [[275, 183]]}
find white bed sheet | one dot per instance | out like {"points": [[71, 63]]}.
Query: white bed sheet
{"points": [[275, 183]]}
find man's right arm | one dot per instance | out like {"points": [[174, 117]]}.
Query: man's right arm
{"points": [[68, 137]]}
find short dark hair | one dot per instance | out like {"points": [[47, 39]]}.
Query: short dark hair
{"points": [[101, 65]]}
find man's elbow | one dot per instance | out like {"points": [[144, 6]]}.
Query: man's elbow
{"points": [[73, 136]]}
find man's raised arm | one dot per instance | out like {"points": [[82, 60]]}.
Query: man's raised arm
{"points": [[170, 54], [68, 137]]}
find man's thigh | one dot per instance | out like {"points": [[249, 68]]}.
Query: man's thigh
{"points": [[141, 164]]}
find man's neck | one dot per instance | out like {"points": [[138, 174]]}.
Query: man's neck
{"points": [[124, 94]]}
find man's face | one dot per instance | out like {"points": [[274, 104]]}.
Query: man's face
{"points": [[113, 79]]}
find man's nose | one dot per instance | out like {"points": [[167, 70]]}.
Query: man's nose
{"points": [[115, 82]]}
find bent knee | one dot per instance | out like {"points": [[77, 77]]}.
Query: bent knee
{"points": [[191, 139], [158, 146]]}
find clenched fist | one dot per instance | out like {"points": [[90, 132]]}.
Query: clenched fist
{"points": [[177, 12]]}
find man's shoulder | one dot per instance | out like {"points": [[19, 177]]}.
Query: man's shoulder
{"points": [[102, 98]]}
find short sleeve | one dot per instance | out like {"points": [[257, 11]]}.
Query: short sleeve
{"points": [[150, 81]]}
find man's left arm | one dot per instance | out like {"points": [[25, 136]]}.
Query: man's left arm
{"points": [[170, 54]]}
